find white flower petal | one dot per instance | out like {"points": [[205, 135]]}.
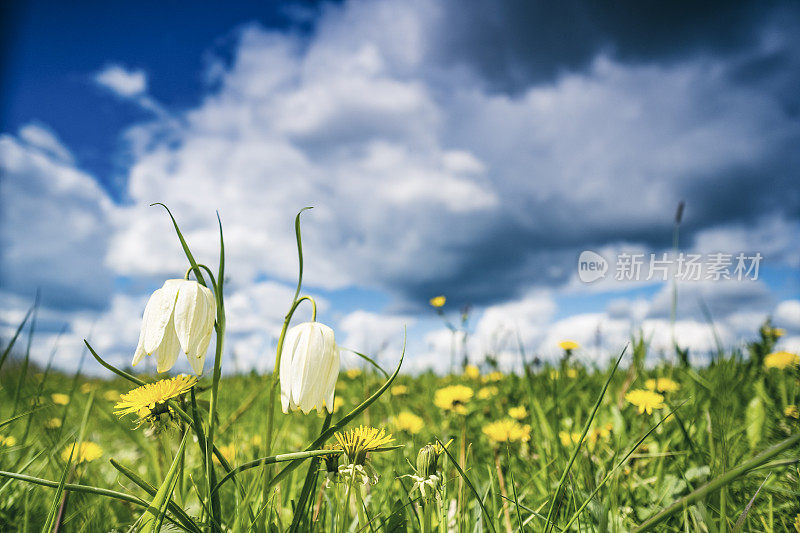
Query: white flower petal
{"points": [[187, 310], [158, 313], [285, 370], [309, 368], [168, 351]]}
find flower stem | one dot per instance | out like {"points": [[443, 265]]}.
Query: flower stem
{"points": [[276, 368]]}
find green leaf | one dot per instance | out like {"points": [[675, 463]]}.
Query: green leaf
{"points": [[755, 416], [154, 515]]}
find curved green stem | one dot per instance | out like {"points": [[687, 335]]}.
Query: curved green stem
{"points": [[282, 457], [276, 368]]}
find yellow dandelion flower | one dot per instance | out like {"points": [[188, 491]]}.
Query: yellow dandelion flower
{"points": [[778, 332], [568, 345], [518, 412], [409, 422], [438, 301], [111, 395], [791, 411], [662, 385], [493, 377], [256, 440], [353, 373], [399, 390], [781, 360], [53, 423], [8, 441], [149, 401], [59, 398], [86, 388], [356, 442], [453, 398], [228, 451], [472, 372], [571, 373], [484, 393], [568, 439], [87, 451], [645, 400], [507, 430]]}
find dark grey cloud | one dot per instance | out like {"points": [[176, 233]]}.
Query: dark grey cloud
{"points": [[514, 43]]}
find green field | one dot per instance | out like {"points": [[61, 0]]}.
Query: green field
{"points": [[703, 464]]}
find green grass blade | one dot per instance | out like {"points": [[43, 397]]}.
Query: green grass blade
{"points": [[50, 523], [720, 481], [179, 513], [14, 338], [153, 515], [618, 466], [580, 442], [461, 472]]}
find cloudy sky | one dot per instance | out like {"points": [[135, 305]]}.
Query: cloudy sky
{"points": [[471, 149]]}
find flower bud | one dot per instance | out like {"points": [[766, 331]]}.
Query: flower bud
{"points": [[309, 368], [428, 460], [178, 317]]}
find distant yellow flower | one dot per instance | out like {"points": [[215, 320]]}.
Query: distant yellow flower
{"points": [[353, 373], [8, 441], [438, 301], [149, 401], [645, 400], [781, 360], [568, 345], [662, 385], [86, 452], [601, 432], [472, 372], [507, 430], [228, 451], [592, 436], [256, 440], [568, 438], [399, 390], [356, 442], [518, 412], [337, 404], [409, 422], [53, 423], [111, 395], [484, 393], [778, 332], [572, 373], [453, 398], [88, 387], [791, 411], [493, 377], [59, 398]]}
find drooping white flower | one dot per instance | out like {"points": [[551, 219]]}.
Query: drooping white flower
{"points": [[178, 316], [309, 368]]}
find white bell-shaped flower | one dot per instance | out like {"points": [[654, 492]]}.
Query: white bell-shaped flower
{"points": [[309, 368], [179, 316]]}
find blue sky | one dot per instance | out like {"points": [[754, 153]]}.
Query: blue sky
{"points": [[470, 151]]}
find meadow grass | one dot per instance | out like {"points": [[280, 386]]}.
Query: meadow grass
{"points": [[707, 438]]}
